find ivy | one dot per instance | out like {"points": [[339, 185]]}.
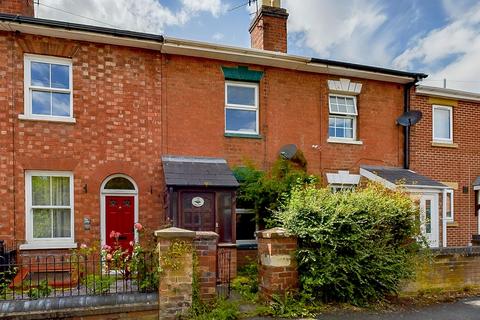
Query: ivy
{"points": [[265, 192]]}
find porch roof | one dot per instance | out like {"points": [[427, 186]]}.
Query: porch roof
{"points": [[476, 183], [197, 172], [399, 177]]}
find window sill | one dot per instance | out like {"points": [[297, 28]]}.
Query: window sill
{"points": [[40, 246], [332, 140], [243, 135], [452, 224], [47, 119], [444, 144]]}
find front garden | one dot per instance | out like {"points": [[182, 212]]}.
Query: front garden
{"points": [[355, 247]]}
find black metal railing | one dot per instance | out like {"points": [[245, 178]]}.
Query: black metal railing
{"points": [[224, 272], [8, 252], [47, 276]]}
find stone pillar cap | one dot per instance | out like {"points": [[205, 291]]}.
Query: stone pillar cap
{"points": [[273, 233], [174, 232], [206, 235]]}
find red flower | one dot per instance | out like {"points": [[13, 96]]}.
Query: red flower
{"points": [[138, 226]]}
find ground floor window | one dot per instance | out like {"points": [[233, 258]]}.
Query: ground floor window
{"points": [[246, 226], [49, 207]]}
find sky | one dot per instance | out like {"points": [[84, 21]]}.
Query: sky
{"points": [[437, 37]]}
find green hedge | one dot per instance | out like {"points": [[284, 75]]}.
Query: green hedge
{"points": [[354, 246]]}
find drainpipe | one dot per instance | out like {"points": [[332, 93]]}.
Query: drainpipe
{"points": [[406, 138]]}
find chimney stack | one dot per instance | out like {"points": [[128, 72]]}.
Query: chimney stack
{"points": [[17, 7], [268, 30]]}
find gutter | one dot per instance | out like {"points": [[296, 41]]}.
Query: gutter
{"points": [[149, 41]]}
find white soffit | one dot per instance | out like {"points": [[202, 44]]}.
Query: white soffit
{"points": [[343, 177], [344, 86], [447, 93]]}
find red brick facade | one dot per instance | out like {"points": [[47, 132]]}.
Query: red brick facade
{"points": [[20, 7], [132, 106], [458, 165]]}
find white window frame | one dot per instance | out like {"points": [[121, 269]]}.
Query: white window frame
{"points": [[344, 115], [242, 107], [450, 110], [47, 243], [450, 192], [28, 88]]}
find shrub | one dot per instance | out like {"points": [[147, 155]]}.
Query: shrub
{"points": [[43, 290], [246, 282], [98, 284], [354, 246], [218, 310]]}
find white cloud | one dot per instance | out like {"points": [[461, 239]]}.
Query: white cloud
{"points": [[215, 7], [218, 36], [449, 52], [345, 30], [139, 15]]}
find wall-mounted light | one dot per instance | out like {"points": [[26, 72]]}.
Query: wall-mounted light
{"points": [[85, 188]]}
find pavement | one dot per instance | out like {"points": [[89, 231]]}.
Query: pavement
{"points": [[466, 309]]}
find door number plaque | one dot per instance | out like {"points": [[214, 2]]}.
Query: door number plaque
{"points": [[198, 202]]}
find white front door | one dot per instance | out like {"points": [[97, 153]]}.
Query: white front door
{"points": [[429, 218]]}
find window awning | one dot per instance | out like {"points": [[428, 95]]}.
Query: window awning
{"points": [[393, 177], [197, 172]]}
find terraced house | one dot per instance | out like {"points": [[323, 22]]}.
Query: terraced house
{"points": [[101, 128]]}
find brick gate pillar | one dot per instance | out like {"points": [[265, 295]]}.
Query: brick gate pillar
{"points": [[175, 248], [205, 244], [277, 266]]}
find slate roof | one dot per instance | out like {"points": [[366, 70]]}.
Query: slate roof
{"points": [[477, 181], [405, 177], [197, 172]]}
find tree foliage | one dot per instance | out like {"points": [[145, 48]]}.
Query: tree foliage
{"points": [[354, 246]]}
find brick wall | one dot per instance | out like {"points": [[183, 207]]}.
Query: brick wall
{"points": [[195, 109], [246, 256], [460, 164], [450, 269], [20, 7]]}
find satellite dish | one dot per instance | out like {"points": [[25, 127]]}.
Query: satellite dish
{"points": [[409, 118], [288, 151]]}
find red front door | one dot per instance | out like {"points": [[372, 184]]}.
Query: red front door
{"points": [[120, 215]]}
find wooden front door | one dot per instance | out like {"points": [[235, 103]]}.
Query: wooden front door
{"points": [[119, 216], [197, 211]]}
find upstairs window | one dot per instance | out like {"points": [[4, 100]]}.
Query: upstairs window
{"points": [[241, 108], [342, 122], [442, 124], [48, 88]]}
